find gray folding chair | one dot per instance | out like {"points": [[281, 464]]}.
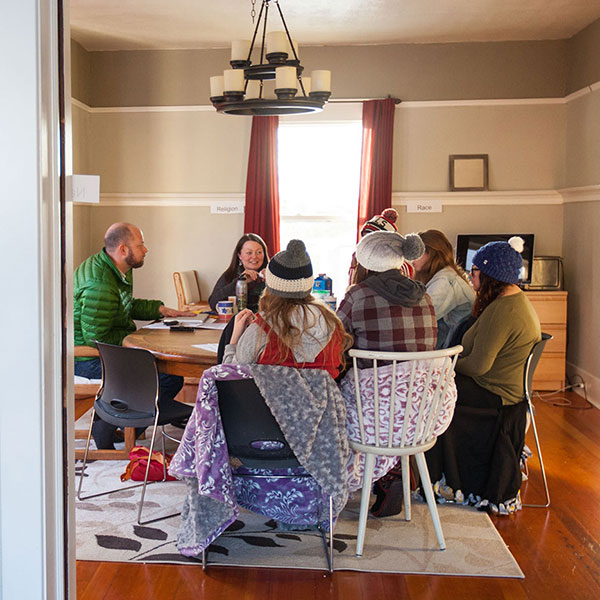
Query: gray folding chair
{"points": [[530, 365], [248, 423], [128, 397]]}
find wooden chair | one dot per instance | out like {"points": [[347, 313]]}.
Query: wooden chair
{"points": [[85, 394], [187, 288], [401, 408]]}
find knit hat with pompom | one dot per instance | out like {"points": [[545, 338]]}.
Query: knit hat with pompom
{"points": [[289, 273], [383, 222], [383, 250], [501, 260]]}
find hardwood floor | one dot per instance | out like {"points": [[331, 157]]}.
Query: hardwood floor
{"points": [[558, 548]]}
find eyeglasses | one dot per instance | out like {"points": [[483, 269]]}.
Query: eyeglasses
{"points": [[474, 270]]}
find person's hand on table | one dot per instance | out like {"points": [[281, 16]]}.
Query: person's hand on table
{"points": [[241, 321], [165, 311]]}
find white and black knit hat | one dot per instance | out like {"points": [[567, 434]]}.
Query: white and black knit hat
{"points": [[289, 273], [383, 250]]}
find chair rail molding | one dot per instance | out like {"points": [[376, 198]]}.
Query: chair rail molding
{"points": [[585, 193]]}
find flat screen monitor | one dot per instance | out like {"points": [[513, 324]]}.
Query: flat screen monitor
{"points": [[468, 244]]}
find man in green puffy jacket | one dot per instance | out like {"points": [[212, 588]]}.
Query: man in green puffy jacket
{"points": [[104, 309]]}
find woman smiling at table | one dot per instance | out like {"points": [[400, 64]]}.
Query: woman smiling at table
{"points": [[249, 260]]}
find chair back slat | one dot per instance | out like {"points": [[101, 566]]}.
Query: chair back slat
{"points": [[361, 422], [420, 398], [392, 405], [376, 401]]}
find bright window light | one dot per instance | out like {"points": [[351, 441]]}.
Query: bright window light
{"points": [[319, 173]]}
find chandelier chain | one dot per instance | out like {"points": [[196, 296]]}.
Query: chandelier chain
{"points": [[253, 11]]}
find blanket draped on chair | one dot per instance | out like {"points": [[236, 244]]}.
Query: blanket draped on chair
{"points": [[311, 413]]}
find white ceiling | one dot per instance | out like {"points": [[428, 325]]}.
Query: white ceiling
{"points": [[171, 24]]}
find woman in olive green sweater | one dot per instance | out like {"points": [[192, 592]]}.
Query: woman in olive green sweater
{"points": [[476, 461]]}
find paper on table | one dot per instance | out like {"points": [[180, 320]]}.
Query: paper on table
{"points": [[213, 325], [159, 325], [207, 347]]}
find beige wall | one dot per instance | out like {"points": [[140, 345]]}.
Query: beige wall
{"points": [[408, 71], [583, 58], [81, 77], [525, 144], [583, 140], [199, 151]]}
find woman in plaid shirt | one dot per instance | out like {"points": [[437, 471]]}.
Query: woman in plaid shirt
{"points": [[387, 311]]}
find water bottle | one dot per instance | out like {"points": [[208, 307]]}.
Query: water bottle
{"points": [[241, 293], [322, 285]]}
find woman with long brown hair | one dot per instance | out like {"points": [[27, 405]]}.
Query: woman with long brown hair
{"points": [[291, 328], [249, 259], [476, 461], [446, 282]]}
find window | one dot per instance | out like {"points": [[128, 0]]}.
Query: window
{"points": [[319, 173]]}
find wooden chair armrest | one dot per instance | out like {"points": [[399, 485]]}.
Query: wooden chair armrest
{"points": [[86, 351]]}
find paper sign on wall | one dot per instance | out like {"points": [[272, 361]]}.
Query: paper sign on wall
{"points": [[424, 206], [85, 188], [230, 208]]}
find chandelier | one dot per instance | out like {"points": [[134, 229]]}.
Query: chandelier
{"points": [[243, 89]]}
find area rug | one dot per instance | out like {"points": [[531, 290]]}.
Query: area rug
{"points": [[107, 531]]}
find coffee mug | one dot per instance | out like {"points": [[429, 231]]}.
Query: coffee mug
{"points": [[224, 310]]}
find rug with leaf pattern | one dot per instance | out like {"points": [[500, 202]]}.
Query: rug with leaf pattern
{"points": [[107, 531]]}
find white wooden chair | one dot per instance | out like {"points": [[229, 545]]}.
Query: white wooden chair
{"points": [[187, 288], [401, 407]]}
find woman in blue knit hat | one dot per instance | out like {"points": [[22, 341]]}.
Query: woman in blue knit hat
{"points": [[476, 461]]}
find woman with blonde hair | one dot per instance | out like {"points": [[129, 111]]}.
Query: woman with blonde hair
{"points": [[291, 328], [446, 283]]}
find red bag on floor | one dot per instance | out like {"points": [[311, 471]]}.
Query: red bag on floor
{"points": [[138, 460]]}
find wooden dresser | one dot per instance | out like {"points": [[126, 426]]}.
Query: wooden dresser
{"points": [[551, 308]]}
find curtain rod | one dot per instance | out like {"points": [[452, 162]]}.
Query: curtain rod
{"points": [[342, 100]]}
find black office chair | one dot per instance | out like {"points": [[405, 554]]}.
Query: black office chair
{"points": [[128, 397], [530, 365], [248, 423]]}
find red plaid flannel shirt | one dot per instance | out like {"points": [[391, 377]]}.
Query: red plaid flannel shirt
{"points": [[376, 324]]}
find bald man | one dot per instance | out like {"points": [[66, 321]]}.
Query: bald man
{"points": [[104, 309]]}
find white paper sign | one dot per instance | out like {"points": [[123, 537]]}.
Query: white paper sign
{"points": [[85, 188], [424, 206], [227, 209]]}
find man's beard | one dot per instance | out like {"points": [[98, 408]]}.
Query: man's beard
{"points": [[132, 262]]}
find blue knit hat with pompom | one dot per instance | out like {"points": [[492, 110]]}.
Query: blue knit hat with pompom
{"points": [[501, 260]]}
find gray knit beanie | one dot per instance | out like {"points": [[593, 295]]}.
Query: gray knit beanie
{"points": [[383, 250], [289, 273], [501, 260]]}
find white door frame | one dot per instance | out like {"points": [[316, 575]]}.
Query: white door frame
{"points": [[33, 522]]}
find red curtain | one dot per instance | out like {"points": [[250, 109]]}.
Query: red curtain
{"points": [[376, 163], [262, 185]]}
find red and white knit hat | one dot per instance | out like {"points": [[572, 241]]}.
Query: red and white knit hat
{"points": [[383, 222]]}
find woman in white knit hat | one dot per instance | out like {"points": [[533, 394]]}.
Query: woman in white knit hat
{"points": [[291, 328]]}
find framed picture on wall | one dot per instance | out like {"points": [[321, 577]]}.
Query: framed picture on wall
{"points": [[468, 172]]}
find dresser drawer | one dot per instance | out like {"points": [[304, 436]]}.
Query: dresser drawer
{"points": [[558, 342], [551, 368], [549, 308]]}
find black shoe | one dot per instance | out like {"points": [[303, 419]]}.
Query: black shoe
{"points": [[181, 423], [390, 497]]}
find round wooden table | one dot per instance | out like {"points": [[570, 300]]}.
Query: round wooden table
{"points": [[174, 350]]}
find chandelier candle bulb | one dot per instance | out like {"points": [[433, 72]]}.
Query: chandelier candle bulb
{"points": [[233, 80], [216, 86], [277, 42], [253, 89], [321, 81], [240, 49], [286, 77]]}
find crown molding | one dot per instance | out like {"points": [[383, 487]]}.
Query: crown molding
{"points": [[585, 193], [167, 199], [506, 198], [588, 89]]}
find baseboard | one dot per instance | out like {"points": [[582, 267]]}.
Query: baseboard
{"points": [[592, 383]]}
